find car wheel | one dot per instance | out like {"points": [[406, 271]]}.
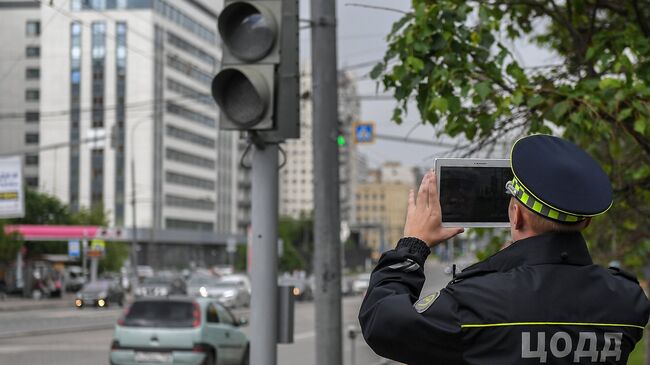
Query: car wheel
{"points": [[246, 359], [210, 359]]}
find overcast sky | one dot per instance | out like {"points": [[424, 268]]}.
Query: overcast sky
{"points": [[361, 38]]}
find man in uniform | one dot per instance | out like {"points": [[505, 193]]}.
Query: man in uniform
{"points": [[540, 300]]}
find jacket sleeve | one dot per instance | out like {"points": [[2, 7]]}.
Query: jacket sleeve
{"points": [[390, 323]]}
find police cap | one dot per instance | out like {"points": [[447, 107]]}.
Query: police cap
{"points": [[557, 179]]}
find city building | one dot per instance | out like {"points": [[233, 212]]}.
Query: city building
{"points": [[136, 84], [381, 204], [297, 175], [20, 75]]}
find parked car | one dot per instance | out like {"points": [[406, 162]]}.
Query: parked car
{"points": [[244, 284], [230, 294], [100, 293], [161, 286], [361, 283], [302, 287], [179, 331]]}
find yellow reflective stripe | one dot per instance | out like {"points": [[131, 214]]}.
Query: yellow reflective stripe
{"points": [[549, 324], [554, 214], [524, 198], [537, 207]]}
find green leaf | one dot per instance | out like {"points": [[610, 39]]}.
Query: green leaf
{"points": [[561, 108], [415, 63], [377, 71], [439, 104], [639, 125], [535, 101], [483, 89], [623, 114]]}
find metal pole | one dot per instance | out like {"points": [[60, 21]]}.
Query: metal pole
{"points": [[94, 261], [264, 256], [134, 229], [327, 257]]}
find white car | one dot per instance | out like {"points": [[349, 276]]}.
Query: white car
{"points": [[361, 283]]}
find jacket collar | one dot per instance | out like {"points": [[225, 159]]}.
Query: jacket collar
{"points": [[549, 248]]}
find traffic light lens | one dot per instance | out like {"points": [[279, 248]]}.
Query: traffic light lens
{"points": [[248, 32], [240, 96]]}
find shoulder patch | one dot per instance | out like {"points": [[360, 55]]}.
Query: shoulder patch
{"points": [[424, 303]]}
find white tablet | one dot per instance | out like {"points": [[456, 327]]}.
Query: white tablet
{"points": [[472, 192]]}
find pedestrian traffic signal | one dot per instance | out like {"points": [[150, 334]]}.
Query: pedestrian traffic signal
{"points": [[257, 88]]}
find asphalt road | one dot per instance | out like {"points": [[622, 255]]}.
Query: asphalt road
{"points": [[79, 337]]}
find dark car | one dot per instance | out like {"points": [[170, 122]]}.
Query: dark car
{"points": [[161, 287], [100, 293]]}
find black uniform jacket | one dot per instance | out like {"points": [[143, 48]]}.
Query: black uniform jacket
{"points": [[539, 301]]}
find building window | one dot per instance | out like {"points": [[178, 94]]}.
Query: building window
{"points": [[31, 160], [33, 73], [96, 177], [120, 117], [174, 14], [189, 69], [172, 223], [188, 180], [32, 182], [32, 117], [33, 28], [191, 137], [75, 114], [183, 202], [189, 92], [188, 158], [32, 95], [190, 115], [191, 49], [31, 138], [98, 63], [32, 52]]}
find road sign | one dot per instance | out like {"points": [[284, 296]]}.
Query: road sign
{"points": [[97, 248], [73, 248], [12, 200], [363, 132]]}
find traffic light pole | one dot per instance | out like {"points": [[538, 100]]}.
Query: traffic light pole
{"points": [[327, 245], [264, 258]]}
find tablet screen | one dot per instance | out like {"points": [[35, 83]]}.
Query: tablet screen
{"points": [[474, 194]]}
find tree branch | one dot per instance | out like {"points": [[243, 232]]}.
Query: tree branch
{"points": [[641, 19]]}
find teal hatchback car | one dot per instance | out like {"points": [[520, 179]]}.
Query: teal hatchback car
{"points": [[157, 331]]}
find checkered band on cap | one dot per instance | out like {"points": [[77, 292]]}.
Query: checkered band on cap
{"points": [[516, 189]]}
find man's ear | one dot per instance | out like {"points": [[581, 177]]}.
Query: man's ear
{"points": [[518, 217]]}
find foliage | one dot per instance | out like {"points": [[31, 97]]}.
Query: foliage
{"points": [[297, 235], [9, 245], [452, 57], [115, 255]]}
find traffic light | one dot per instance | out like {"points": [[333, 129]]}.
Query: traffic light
{"points": [[257, 88]]}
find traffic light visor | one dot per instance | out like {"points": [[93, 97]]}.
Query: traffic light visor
{"points": [[242, 95], [249, 31]]}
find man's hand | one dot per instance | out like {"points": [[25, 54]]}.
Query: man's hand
{"points": [[424, 217]]}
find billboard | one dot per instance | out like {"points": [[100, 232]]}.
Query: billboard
{"points": [[12, 198]]}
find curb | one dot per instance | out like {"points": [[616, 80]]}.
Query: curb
{"points": [[97, 327]]}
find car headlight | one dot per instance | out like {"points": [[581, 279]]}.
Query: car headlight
{"points": [[203, 291]]}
